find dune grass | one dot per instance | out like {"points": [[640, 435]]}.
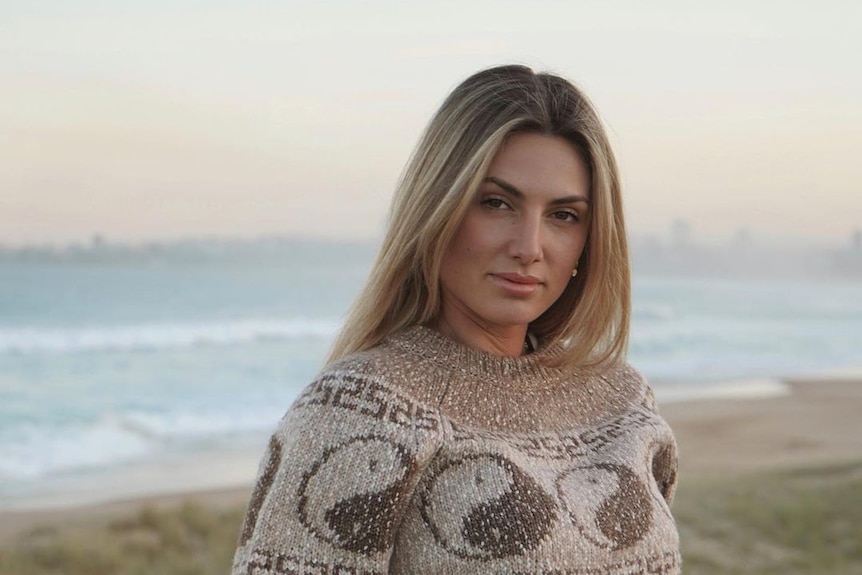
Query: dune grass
{"points": [[806, 521], [191, 539]]}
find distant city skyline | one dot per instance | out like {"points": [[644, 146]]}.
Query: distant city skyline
{"points": [[679, 234], [160, 121], [679, 253]]}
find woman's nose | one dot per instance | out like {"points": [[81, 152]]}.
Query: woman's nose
{"points": [[526, 242]]}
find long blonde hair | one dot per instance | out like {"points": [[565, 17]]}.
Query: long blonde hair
{"points": [[403, 289]]}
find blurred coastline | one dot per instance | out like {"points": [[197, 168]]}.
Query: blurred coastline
{"points": [[677, 253]]}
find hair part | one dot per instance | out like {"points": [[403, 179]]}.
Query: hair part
{"points": [[592, 315]]}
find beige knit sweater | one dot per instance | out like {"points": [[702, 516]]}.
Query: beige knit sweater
{"points": [[425, 456]]}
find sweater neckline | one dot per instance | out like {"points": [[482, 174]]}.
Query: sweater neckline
{"points": [[528, 370]]}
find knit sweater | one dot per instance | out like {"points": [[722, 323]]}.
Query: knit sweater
{"points": [[424, 456]]}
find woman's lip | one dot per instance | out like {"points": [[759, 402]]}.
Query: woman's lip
{"points": [[519, 286], [519, 279]]}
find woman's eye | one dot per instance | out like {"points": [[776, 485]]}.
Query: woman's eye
{"points": [[495, 203], [567, 216]]}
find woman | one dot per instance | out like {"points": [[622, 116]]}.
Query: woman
{"points": [[476, 414]]}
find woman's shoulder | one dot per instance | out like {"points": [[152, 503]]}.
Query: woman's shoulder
{"points": [[337, 471], [643, 393], [392, 367], [623, 385]]}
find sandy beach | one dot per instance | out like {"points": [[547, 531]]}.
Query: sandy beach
{"points": [[816, 423]]}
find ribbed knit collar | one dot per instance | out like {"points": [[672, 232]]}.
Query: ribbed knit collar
{"points": [[527, 391], [529, 370]]}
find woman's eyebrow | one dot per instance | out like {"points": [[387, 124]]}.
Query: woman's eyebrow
{"points": [[506, 186]]}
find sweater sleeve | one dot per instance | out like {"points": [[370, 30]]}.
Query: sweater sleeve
{"points": [[665, 458], [335, 479]]}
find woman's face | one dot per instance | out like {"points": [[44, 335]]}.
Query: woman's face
{"points": [[526, 227]]}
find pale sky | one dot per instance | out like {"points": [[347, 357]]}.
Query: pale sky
{"points": [[161, 120]]}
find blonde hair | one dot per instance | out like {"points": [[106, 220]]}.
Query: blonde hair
{"points": [[591, 317]]}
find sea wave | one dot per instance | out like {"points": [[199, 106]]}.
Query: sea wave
{"points": [[654, 312], [156, 336], [34, 451], [742, 389]]}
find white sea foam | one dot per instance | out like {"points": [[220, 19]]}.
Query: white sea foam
{"points": [[31, 451], [848, 373], [156, 336], [36, 451], [733, 389], [656, 312], [180, 426]]}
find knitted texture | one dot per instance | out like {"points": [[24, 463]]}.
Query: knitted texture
{"points": [[425, 456]]}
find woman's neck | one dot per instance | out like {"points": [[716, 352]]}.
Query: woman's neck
{"points": [[506, 341]]}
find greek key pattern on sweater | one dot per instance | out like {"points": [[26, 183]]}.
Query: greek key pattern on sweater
{"points": [[566, 446], [668, 562], [265, 563], [368, 398]]}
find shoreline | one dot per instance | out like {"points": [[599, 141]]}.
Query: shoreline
{"points": [[816, 423], [235, 465], [813, 421], [179, 475]]}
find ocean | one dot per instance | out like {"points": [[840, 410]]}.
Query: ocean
{"points": [[110, 364]]}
